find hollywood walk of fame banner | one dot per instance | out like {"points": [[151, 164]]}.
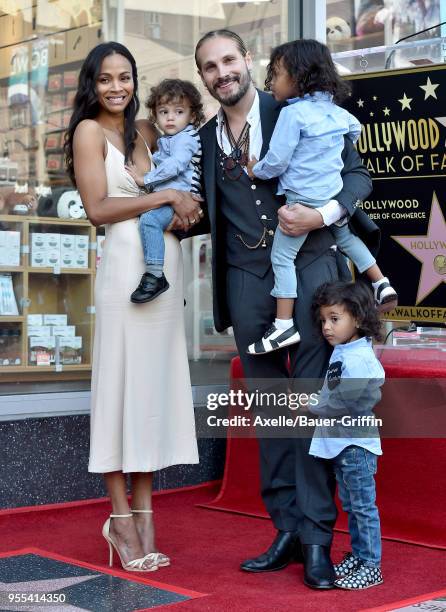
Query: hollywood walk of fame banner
{"points": [[403, 145]]}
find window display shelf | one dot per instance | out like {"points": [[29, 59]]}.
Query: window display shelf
{"points": [[12, 268], [49, 270], [48, 323]]}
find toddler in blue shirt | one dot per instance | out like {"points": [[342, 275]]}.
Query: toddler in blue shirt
{"points": [[175, 106], [352, 388], [305, 153]]}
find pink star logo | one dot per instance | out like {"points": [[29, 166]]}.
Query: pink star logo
{"points": [[430, 250]]}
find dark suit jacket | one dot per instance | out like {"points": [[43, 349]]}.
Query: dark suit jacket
{"points": [[357, 185]]}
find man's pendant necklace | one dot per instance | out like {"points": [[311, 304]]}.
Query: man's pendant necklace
{"points": [[239, 154]]}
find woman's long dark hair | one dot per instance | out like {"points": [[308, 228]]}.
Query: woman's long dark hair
{"points": [[86, 105], [309, 64]]}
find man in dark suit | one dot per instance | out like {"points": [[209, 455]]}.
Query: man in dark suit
{"points": [[297, 489]]}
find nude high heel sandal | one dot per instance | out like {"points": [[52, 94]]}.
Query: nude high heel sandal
{"points": [[157, 557], [137, 565]]}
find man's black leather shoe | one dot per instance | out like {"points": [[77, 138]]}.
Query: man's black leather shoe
{"points": [[149, 288], [284, 549], [318, 568]]}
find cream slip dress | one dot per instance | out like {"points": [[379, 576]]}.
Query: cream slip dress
{"points": [[142, 416]]}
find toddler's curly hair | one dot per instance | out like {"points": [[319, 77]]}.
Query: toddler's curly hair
{"points": [[357, 299], [171, 90], [309, 64]]}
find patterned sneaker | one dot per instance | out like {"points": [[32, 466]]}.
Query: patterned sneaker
{"points": [[347, 565], [386, 297], [274, 339], [363, 577]]}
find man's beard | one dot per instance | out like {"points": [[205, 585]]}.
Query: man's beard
{"points": [[244, 81]]}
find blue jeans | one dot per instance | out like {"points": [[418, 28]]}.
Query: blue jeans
{"points": [[285, 249], [151, 227], [355, 468]]}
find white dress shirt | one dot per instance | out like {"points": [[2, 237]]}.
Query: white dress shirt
{"points": [[331, 212]]}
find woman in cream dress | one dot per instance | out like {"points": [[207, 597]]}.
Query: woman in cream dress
{"points": [[141, 412]]}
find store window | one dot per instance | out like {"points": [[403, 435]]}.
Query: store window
{"points": [[48, 249], [365, 24]]}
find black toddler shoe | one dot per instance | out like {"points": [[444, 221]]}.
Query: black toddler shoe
{"points": [[149, 288], [284, 550]]}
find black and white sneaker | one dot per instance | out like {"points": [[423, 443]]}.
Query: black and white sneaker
{"points": [[386, 298], [274, 339], [348, 564], [363, 577]]}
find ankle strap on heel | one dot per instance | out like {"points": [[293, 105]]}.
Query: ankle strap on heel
{"points": [[142, 511], [120, 515]]}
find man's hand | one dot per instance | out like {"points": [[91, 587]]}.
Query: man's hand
{"points": [[299, 219], [250, 165], [187, 207], [176, 224]]}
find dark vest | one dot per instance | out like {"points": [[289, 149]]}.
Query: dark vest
{"points": [[248, 213]]}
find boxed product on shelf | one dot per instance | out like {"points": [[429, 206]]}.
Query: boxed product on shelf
{"points": [[35, 319], [70, 78], [39, 330], [54, 162], [55, 82], [42, 350], [64, 250], [68, 331], [81, 251], [38, 258], [67, 250], [81, 260], [8, 304], [81, 243], [55, 319], [9, 248], [69, 350], [45, 250], [53, 141]]}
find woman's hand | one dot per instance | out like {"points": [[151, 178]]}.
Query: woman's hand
{"points": [[187, 207]]}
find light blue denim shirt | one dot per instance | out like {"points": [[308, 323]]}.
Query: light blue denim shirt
{"points": [[306, 146], [177, 162], [352, 388]]}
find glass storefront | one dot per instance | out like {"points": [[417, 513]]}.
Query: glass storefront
{"points": [[48, 250], [369, 24]]}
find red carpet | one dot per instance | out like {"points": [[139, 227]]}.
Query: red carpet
{"points": [[411, 495], [206, 548]]}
